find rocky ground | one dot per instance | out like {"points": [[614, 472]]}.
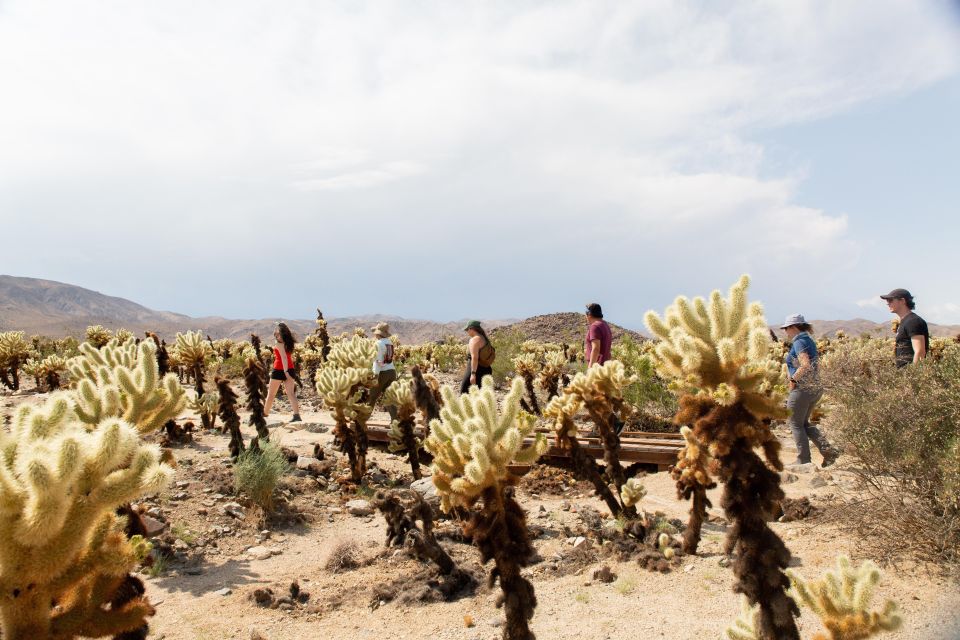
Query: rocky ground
{"points": [[319, 569]]}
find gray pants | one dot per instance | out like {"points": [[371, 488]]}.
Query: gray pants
{"points": [[384, 379], [801, 403]]}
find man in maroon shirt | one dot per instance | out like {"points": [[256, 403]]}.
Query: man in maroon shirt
{"points": [[599, 339], [597, 347]]}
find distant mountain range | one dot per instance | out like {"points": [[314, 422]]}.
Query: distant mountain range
{"points": [[57, 309]]}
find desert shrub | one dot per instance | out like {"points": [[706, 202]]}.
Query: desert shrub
{"points": [[508, 343], [649, 392], [344, 557], [902, 427], [257, 472]]}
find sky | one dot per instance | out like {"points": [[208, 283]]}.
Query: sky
{"points": [[488, 159]]}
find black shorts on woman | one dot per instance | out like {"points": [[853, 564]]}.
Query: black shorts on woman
{"points": [[277, 374]]}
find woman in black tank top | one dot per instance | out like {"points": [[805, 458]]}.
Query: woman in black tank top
{"points": [[480, 355]]}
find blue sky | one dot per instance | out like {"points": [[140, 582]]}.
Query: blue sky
{"points": [[483, 159]]}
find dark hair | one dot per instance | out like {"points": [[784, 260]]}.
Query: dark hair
{"points": [[910, 303], [804, 326], [286, 337], [594, 310]]}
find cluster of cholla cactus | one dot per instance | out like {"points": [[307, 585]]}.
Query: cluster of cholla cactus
{"points": [[14, 353], [599, 390], [64, 557], [48, 371], [527, 366], [402, 437], [193, 352], [717, 353], [123, 381], [343, 383], [472, 445], [840, 598], [227, 409], [693, 478], [98, 335]]}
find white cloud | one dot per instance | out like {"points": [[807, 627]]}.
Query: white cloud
{"points": [[544, 118]]}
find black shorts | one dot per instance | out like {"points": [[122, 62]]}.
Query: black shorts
{"points": [[277, 374]]}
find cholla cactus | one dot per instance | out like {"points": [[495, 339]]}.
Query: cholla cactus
{"points": [[193, 351], [98, 336], [227, 408], [206, 406], [32, 368], [527, 365], [63, 553], [561, 411], [551, 373], [122, 335], [255, 381], [472, 444], [718, 355], [693, 478], [841, 599], [322, 334], [633, 492], [400, 395], [14, 351], [122, 381], [50, 369], [600, 388], [343, 383], [745, 627]]}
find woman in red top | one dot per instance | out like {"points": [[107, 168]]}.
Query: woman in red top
{"points": [[283, 371]]}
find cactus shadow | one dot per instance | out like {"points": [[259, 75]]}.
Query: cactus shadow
{"points": [[232, 574]]}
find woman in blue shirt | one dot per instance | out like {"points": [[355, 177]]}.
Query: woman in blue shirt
{"points": [[805, 391]]}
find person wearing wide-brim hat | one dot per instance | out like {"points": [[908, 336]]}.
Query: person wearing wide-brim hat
{"points": [[805, 391], [383, 365], [913, 335], [480, 356]]}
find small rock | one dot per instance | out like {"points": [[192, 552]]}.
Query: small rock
{"points": [[155, 512], [153, 526], [304, 462], [426, 488], [313, 427], [724, 561], [259, 553], [359, 507], [234, 510], [786, 477], [604, 574], [818, 481], [223, 592], [579, 540]]}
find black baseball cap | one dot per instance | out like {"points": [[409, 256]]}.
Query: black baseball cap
{"points": [[594, 310], [898, 293]]}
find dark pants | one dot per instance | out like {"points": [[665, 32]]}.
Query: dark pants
{"points": [[801, 403], [384, 379], [481, 372]]}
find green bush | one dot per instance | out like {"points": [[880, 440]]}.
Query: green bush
{"points": [[508, 343], [902, 427], [649, 394], [256, 473]]}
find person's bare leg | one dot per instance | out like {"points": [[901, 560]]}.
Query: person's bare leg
{"points": [[290, 387], [271, 394]]}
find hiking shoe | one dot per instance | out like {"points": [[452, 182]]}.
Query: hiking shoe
{"points": [[829, 458], [296, 418]]}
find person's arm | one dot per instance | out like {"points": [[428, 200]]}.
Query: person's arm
{"points": [[919, 348], [380, 358], [285, 361], [805, 365], [474, 358], [594, 352]]}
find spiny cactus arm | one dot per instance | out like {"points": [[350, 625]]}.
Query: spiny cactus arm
{"points": [[745, 627], [632, 492], [841, 599]]}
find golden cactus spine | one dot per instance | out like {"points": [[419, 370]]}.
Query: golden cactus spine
{"points": [[693, 480], [63, 553], [718, 354], [98, 336], [193, 352], [472, 443]]}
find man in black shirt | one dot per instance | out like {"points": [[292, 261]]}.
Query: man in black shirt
{"points": [[913, 337]]}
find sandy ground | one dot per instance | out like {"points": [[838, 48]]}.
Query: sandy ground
{"points": [[205, 594]]}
